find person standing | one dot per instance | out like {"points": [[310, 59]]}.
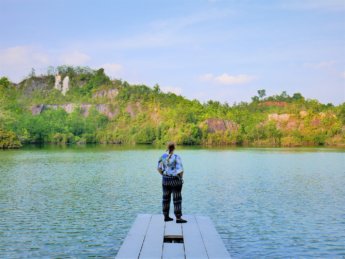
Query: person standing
{"points": [[171, 168]]}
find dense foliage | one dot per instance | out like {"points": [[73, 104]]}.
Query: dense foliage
{"points": [[96, 109]]}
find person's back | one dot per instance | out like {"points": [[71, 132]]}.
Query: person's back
{"points": [[171, 168]]}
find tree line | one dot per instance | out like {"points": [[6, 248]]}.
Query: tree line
{"points": [[146, 115]]}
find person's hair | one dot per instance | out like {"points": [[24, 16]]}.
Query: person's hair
{"points": [[170, 146]]}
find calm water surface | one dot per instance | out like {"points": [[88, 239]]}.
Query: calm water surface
{"points": [[81, 201]]}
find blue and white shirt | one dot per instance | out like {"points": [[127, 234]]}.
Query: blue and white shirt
{"points": [[170, 165]]}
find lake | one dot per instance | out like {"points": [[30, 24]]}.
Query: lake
{"points": [[81, 201]]}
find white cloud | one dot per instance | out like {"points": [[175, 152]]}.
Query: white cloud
{"points": [[17, 61], [149, 40], [226, 79], [112, 69], [321, 65], [182, 22], [229, 79], [171, 89], [206, 77], [168, 32], [331, 5], [74, 58], [342, 74]]}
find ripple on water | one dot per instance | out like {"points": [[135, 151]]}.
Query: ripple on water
{"points": [[81, 203]]}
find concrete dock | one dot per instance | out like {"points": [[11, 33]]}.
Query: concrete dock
{"points": [[151, 237]]}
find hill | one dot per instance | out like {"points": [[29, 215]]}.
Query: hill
{"points": [[81, 105]]}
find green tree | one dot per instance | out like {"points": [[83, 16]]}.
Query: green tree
{"points": [[4, 82], [262, 93], [8, 139], [297, 97]]}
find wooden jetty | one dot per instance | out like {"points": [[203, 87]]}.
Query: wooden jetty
{"points": [[151, 237]]}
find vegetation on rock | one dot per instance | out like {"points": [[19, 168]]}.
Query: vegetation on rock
{"points": [[96, 109]]}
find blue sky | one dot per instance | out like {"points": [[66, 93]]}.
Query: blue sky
{"points": [[223, 50]]}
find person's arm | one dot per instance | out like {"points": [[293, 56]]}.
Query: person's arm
{"points": [[160, 166], [160, 171], [179, 166]]}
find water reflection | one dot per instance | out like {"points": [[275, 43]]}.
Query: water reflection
{"points": [[81, 201]]}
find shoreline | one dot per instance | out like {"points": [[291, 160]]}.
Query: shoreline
{"points": [[158, 146]]}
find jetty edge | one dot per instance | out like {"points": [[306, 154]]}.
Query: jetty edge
{"points": [[151, 237]]}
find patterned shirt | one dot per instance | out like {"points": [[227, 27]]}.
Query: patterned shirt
{"points": [[170, 165]]}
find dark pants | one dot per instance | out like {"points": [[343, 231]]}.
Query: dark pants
{"points": [[172, 185]]}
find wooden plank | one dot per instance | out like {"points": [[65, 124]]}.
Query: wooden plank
{"points": [[134, 240], [153, 243], [173, 250], [213, 243], [193, 243], [172, 229]]}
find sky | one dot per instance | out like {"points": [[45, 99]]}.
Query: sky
{"points": [[223, 50]]}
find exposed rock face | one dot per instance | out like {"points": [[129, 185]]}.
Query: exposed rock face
{"points": [[35, 84], [155, 116], [57, 84], [84, 109], [68, 107], [279, 117], [322, 115], [105, 109], [65, 85], [274, 103], [284, 121], [215, 125], [109, 93], [37, 109], [51, 106], [133, 109], [292, 125], [315, 122], [303, 114]]}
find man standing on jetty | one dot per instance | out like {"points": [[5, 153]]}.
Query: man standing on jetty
{"points": [[171, 169]]}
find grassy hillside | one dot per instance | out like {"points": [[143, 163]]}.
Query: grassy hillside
{"points": [[84, 106]]}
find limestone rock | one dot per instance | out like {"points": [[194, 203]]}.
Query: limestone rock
{"points": [[106, 93], [35, 84], [85, 108], [279, 117], [57, 84], [37, 109], [106, 110], [68, 107], [303, 114], [215, 125], [274, 103], [133, 109], [65, 85]]}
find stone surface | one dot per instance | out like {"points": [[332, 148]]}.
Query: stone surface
{"points": [[303, 114], [106, 93], [57, 84], [37, 109], [279, 117], [274, 103], [133, 109], [215, 125], [35, 84], [65, 85], [106, 109]]}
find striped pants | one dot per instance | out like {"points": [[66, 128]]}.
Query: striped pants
{"points": [[172, 185]]}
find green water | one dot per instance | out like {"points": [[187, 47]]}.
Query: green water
{"points": [[81, 201]]}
